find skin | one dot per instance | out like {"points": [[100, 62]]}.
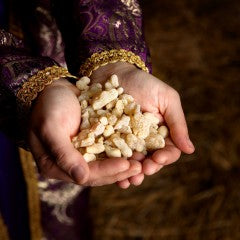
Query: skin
{"points": [[55, 119], [156, 97]]}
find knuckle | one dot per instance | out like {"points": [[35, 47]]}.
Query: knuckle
{"points": [[60, 156], [136, 168], [178, 155], [175, 94], [122, 177]]}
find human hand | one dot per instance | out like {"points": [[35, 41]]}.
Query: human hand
{"points": [[156, 97], [55, 119]]}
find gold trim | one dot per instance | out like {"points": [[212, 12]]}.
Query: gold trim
{"points": [[112, 56], [30, 176], [36, 83], [3, 230]]}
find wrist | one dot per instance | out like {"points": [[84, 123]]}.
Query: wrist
{"points": [[61, 83], [30, 90], [121, 69]]}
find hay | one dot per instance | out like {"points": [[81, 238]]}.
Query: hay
{"points": [[195, 47]]}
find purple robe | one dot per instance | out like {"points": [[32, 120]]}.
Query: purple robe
{"points": [[61, 33]]}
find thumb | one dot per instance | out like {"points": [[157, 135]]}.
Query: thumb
{"points": [[66, 156], [176, 122]]}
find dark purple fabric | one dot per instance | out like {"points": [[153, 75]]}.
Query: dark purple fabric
{"points": [[13, 201], [87, 27], [109, 24], [92, 26], [78, 211], [16, 66], [3, 15], [41, 33]]}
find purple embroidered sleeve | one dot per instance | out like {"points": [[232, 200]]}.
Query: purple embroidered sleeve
{"points": [[16, 66], [101, 25]]}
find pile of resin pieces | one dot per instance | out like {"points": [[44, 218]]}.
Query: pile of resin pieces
{"points": [[112, 123]]}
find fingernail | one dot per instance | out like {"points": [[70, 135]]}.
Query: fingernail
{"points": [[77, 173]]}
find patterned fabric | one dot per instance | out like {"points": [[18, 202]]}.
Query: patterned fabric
{"points": [[53, 31], [88, 26], [64, 211], [8, 40], [37, 83], [16, 66], [94, 26], [40, 30]]}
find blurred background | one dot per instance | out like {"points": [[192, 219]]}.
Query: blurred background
{"points": [[195, 47]]}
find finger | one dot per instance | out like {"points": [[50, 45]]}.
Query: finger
{"points": [[134, 169], [150, 167], [176, 122], [167, 155], [107, 167], [159, 168], [46, 166], [112, 170], [64, 154], [137, 179], [138, 156], [124, 184]]}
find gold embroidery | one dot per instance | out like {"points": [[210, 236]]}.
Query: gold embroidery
{"points": [[30, 176], [3, 230], [59, 198], [112, 56], [132, 6], [35, 84]]}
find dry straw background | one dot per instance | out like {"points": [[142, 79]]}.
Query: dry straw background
{"points": [[195, 47]]}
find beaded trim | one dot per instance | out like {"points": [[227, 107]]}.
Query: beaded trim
{"points": [[101, 59], [36, 83]]}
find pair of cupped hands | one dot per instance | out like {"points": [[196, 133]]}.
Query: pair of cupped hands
{"points": [[56, 116]]}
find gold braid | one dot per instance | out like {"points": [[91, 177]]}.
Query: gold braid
{"points": [[36, 83], [101, 59]]}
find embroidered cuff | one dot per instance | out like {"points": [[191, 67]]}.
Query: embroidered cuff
{"points": [[100, 59], [36, 83]]}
